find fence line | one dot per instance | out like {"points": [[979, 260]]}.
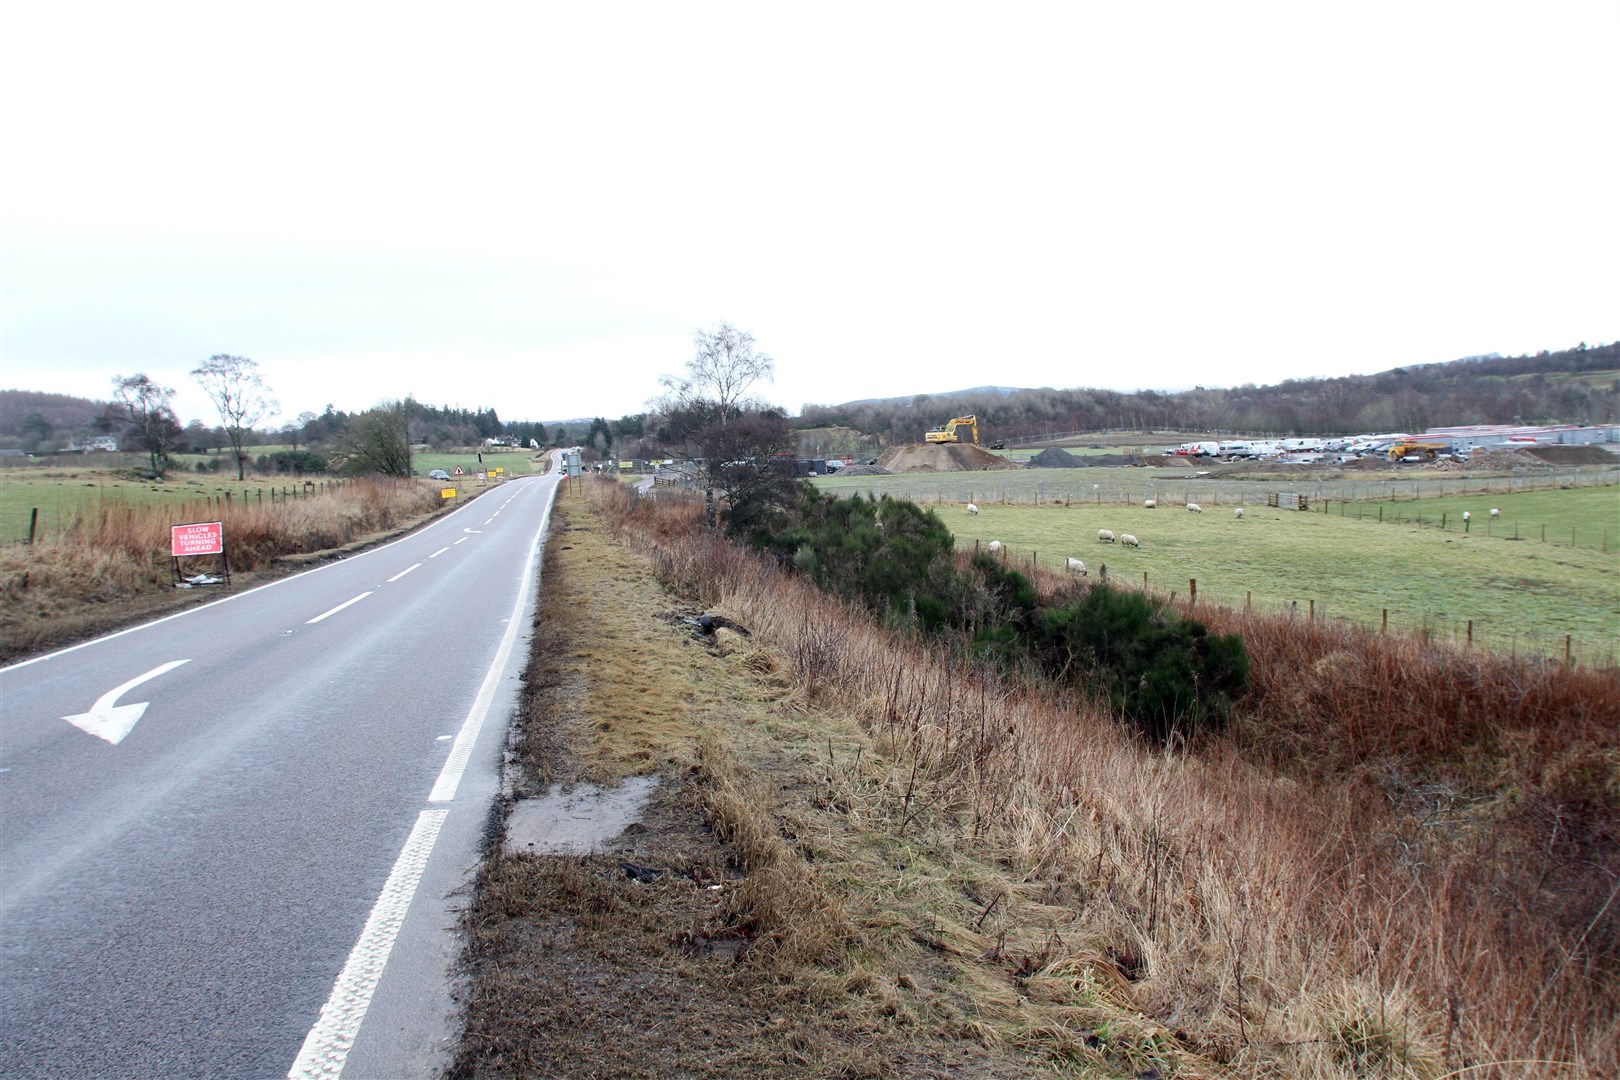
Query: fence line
{"points": [[1459, 633]]}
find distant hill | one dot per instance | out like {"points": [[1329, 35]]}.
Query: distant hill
{"points": [[1579, 385], [63, 412], [980, 391]]}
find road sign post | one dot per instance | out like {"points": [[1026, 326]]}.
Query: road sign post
{"points": [[199, 539]]}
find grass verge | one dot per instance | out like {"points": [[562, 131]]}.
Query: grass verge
{"points": [[1402, 862]]}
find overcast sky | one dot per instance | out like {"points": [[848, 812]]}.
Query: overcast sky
{"points": [[532, 206]]}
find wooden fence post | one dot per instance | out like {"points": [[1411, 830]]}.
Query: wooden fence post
{"points": [[1192, 591], [33, 523], [1311, 613], [1383, 627]]}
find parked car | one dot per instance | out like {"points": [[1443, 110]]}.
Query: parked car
{"points": [[438, 474]]}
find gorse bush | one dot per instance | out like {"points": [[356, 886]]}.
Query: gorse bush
{"points": [[892, 557], [1159, 669]]}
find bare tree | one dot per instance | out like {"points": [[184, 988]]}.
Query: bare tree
{"points": [[712, 393], [377, 441], [721, 371], [147, 408], [239, 393]]}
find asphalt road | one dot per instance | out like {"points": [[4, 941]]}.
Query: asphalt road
{"points": [[262, 877]]}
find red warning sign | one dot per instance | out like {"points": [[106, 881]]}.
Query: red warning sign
{"points": [[204, 538]]}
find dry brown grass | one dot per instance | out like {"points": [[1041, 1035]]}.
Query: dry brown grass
{"points": [[112, 564], [739, 959], [1403, 863]]}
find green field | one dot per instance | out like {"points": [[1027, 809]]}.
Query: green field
{"points": [[1589, 517], [1520, 594]]}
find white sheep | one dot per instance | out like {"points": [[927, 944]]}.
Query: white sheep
{"points": [[1077, 568], [995, 547], [1238, 513], [1105, 536], [1130, 540], [972, 509], [1149, 504], [1195, 508], [1495, 512], [1467, 515]]}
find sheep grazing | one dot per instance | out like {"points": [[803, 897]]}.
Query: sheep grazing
{"points": [[1077, 568], [1238, 513], [1129, 540], [1106, 536], [1495, 512], [1149, 504], [1195, 508], [972, 509], [995, 547]]}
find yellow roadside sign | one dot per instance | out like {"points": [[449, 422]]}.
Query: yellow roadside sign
{"points": [[447, 493]]}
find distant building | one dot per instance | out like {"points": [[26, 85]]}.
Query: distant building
{"points": [[95, 442]]}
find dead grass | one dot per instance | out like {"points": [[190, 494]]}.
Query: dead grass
{"points": [[111, 565], [1402, 864], [738, 958]]}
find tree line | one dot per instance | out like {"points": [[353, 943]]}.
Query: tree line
{"points": [[1579, 385]]}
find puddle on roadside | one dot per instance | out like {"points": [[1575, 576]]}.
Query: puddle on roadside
{"points": [[577, 821]]}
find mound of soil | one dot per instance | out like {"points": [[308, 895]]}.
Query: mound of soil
{"points": [[941, 457], [863, 470], [1571, 455], [1054, 457], [1505, 461]]}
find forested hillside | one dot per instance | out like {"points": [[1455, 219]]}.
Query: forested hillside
{"points": [[1580, 385]]}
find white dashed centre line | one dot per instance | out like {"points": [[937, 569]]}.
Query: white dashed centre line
{"points": [[441, 551], [340, 607], [463, 540], [403, 572]]}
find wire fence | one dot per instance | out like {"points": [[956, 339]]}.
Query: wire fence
{"points": [[1516, 641], [1135, 486]]}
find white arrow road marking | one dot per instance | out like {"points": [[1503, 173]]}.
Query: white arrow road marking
{"points": [[110, 721], [340, 607]]}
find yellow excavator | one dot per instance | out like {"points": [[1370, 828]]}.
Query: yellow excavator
{"points": [[948, 433]]}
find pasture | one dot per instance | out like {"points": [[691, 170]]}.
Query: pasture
{"points": [[1588, 518], [1521, 595]]}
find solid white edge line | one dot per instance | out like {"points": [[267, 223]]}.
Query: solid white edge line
{"points": [[402, 573], [237, 596], [444, 789], [328, 1043], [333, 611]]}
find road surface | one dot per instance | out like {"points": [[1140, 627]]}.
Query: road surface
{"points": [[234, 842]]}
